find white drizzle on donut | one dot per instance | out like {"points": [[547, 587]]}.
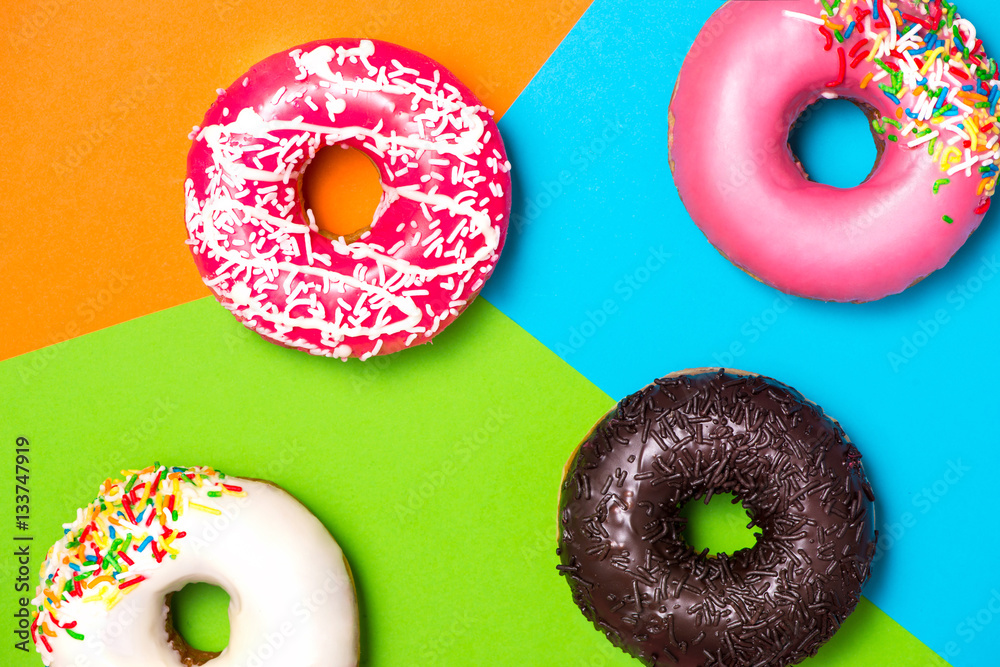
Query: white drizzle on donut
{"points": [[326, 309]]}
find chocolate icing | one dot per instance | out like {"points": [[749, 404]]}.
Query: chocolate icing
{"points": [[688, 436]]}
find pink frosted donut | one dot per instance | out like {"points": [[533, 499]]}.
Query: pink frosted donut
{"points": [[436, 235], [919, 72]]}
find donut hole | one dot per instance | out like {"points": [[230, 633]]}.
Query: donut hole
{"points": [[342, 189], [723, 525], [198, 622], [833, 143]]}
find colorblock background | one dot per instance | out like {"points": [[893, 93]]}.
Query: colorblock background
{"points": [[633, 290], [101, 95], [438, 469]]}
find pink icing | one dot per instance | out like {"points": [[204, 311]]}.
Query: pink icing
{"points": [[750, 74], [438, 230]]}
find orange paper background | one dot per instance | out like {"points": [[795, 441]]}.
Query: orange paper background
{"points": [[96, 122]]}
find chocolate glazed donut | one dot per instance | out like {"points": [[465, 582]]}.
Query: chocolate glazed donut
{"points": [[696, 434]]}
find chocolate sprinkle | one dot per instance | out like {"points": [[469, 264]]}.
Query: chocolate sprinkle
{"points": [[690, 436]]}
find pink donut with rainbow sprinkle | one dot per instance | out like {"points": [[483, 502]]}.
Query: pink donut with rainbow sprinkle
{"points": [[437, 232], [920, 73]]}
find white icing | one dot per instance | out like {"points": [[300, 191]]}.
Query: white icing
{"points": [[292, 598]]}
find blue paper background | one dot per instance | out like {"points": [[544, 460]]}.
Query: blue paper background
{"points": [[605, 267]]}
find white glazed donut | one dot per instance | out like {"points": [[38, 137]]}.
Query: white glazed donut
{"points": [[104, 585]]}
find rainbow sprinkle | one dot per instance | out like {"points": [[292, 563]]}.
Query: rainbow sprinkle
{"points": [[928, 61], [126, 532]]}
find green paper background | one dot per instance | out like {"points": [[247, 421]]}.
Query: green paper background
{"points": [[720, 525], [437, 470], [200, 616]]}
